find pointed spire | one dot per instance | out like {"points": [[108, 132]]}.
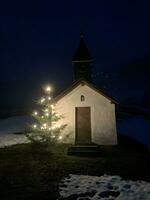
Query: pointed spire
{"points": [[82, 53], [82, 62]]}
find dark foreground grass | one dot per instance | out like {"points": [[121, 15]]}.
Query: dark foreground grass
{"points": [[29, 174]]}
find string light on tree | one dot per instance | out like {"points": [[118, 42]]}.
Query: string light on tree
{"points": [[48, 89], [47, 127], [35, 113], [42, 100], [52, 106], [60, 138], [47, 114]]}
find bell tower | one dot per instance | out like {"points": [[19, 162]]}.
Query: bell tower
{"points": [[82, 62]]}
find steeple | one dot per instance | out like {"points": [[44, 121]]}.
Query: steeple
{"points": [[82, 62]]}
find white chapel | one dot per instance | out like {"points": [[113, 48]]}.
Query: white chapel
{"points": [[87, 110]]}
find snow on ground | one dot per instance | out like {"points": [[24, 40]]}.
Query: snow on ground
{"points": [[10, 129], [136, 127], [104, 187]]}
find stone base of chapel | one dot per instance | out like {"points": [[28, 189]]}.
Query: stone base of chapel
{"points": [[84, 150]]}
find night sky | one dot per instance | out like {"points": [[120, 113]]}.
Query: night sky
{"points": [[38, 40]]}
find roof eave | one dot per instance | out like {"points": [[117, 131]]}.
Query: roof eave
{"points": [[82, 81]]}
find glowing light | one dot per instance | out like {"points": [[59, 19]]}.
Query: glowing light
{"points": [[42, 100], [49, 98], [48, 89], [57, 126], [53, 127], [47, 114], [52, 106], [42, 117], [34, 126], [45, 125], [35, 113], [46, 110], [60, 137]]}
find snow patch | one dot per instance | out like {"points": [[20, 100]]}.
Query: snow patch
{"points": [[11, 129], [104, 187]]}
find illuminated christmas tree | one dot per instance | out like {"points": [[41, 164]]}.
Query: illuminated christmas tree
{"points": [[46, 130]]}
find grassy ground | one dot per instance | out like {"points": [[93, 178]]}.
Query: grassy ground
{"points": [[29, 174]]}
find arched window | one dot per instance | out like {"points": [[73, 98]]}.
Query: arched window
{"points": [[82, 98]]}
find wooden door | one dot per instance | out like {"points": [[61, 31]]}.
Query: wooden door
{"points": [[83, 125]]}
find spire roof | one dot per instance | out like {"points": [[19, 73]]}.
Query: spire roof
{"points": [[82, 53]]}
